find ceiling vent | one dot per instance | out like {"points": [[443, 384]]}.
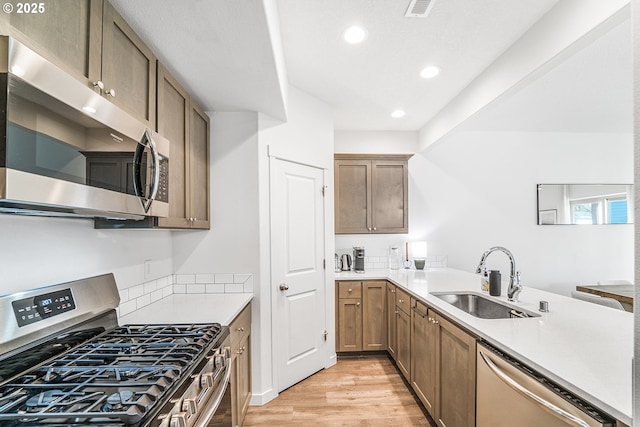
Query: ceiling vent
{"points": [[419, 8]]}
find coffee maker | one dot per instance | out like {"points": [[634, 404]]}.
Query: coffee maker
{"points": [[358, 259]]}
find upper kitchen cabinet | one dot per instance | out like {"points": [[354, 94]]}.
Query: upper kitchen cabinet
{"points": [[128, 68], [91, 41], [68, 33], [198, 171], [371, 193], [187, 127]]}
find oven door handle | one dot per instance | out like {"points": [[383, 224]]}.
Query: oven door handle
{"points": [[544, 404], [205, 417]]}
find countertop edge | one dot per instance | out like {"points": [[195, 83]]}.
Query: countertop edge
{"points": [[190, 308]]}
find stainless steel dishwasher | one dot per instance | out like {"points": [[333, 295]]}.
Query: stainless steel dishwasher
{"points": [[510, 394]]}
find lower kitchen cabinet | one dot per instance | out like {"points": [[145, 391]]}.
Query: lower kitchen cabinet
{"points": [[403, 333], [443, 367], [392, 340], [374, 310], [455, 403], [240, 330], [360, 316], [423, 355]]}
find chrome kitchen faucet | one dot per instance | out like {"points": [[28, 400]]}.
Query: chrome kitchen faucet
{"points": [[514, 279]]}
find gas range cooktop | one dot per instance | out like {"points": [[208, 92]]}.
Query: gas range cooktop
{"points": [[115, 378], [65, 361]]}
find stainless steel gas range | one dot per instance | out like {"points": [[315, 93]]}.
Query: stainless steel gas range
{"points": [[65, 361]]}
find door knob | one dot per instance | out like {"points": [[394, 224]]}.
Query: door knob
{"points": [[284, 287]]}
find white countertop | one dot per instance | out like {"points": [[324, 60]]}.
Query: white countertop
{"points": [[190, 308], [584, 347]]}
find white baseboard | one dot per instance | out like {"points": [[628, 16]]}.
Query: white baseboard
{"points": [[263, 398], [332, 360]]}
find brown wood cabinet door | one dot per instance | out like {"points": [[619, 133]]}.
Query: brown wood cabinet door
{"points": [[173, 117], [456, 376], [199, 168], [352, 196], [389, 187], [423, 355], [128, 67], [68, 33], [349, 324], [403, 330], [374, 310], [243, 379], [392, 341]]}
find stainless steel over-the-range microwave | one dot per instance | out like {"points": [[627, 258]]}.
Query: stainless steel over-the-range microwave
{"points": [[65, 150]]}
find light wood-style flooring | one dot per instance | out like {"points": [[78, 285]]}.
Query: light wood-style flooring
{"points": [[357, 391]]}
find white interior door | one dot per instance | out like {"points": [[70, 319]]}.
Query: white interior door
{"points": [[298, 275]]}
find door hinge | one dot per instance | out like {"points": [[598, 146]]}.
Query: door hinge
{"points": [[325, 334], [324, 190], [324, 263]]}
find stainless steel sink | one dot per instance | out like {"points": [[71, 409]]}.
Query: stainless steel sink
{"points": [[483, 307]]}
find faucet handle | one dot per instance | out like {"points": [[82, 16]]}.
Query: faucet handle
{"points": [[517, 277]]}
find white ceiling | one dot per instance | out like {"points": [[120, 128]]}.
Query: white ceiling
{"points": [[237, 55]]}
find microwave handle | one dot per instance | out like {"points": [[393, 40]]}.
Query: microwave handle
{"points": [[156, 168], [146, 141]]}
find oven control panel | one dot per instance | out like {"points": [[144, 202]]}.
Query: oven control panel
{"points": [[40, 307]]}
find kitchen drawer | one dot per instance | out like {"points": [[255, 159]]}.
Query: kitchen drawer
{"points": [[419, 307], [403, 301], [240, 327], [349, 289]]}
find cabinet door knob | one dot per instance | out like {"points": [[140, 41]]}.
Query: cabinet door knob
{"points": [[350, 290], [401, 301], [358, 304], [111, 92], [284, 287], [241, 329], [99, 85], [375, 229]]}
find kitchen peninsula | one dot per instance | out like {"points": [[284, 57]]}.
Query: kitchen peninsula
{"points": [[560, 344]]}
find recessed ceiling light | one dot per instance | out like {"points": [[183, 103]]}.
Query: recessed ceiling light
{"points": [[430, 72], [355, 34], [398, 113], [88, 109]]}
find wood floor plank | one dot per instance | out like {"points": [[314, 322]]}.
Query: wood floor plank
{"points": [[362, 391]]}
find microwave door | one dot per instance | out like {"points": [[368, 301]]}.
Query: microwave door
{"points": [[146, 173]]}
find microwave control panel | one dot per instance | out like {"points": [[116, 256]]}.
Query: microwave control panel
{"points": [[40, 307]]}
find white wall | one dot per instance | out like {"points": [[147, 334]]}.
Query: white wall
{"points": [[37, 251], [480, 189], [230, 246]]}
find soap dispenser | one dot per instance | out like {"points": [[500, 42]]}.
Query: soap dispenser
{"points": [[484, 280]]}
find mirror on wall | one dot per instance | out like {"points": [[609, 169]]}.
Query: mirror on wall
{"points": [[585, 204]]}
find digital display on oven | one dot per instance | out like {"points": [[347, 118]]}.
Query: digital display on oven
{"points": [[34, 309]]}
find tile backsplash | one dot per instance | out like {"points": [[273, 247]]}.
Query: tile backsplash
{"points": [[378, 258], [138, 296]]}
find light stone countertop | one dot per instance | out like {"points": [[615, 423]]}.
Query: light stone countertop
{"points": [[584, 347], [190, 308]]}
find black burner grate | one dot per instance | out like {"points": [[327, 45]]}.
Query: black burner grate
{"points": [[113, 379]]}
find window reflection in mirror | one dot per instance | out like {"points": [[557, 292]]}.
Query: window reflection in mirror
{"points": [[585, 204]]}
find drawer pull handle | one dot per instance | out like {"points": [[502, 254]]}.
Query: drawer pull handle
{"points": [[350, 290], [241, 329]]}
